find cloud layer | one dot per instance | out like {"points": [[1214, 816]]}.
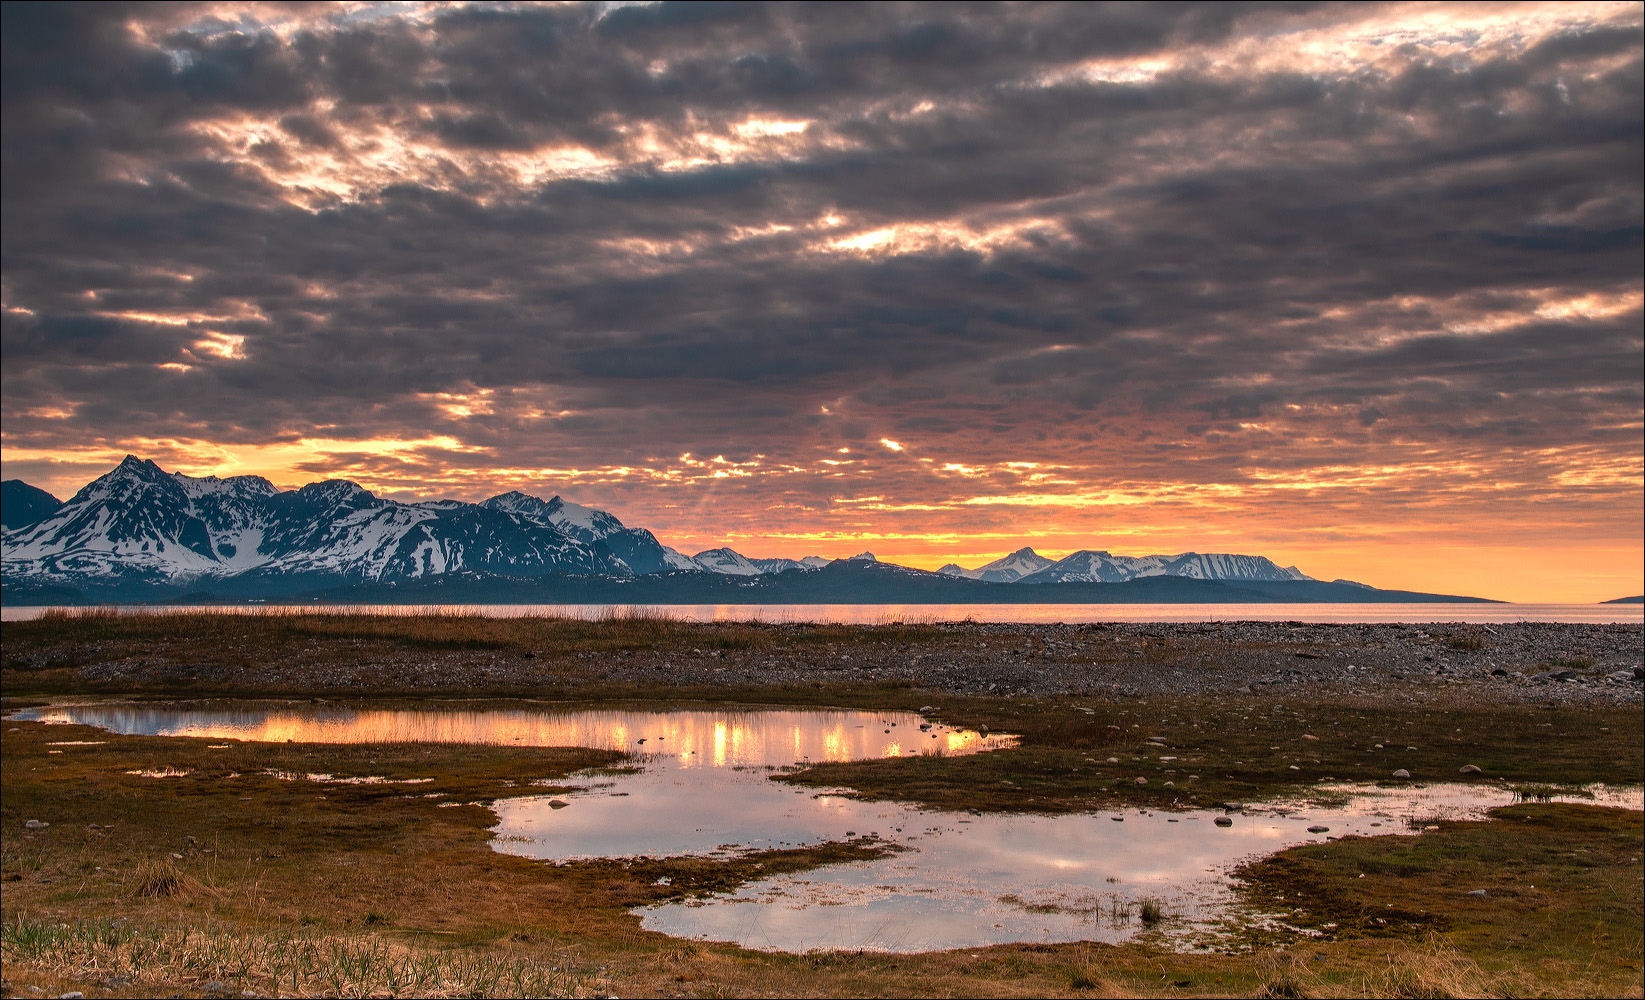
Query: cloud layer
{"points": [[1328, 280]]}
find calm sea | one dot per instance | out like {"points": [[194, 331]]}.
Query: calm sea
{"points": [[875, 614]]}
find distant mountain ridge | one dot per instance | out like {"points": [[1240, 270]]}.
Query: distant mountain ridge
{"points": [[1086, 566], [141, 533]]}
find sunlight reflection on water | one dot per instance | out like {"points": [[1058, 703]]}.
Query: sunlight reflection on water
{"points": [[960, 880]]}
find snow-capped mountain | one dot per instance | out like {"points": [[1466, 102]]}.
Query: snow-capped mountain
{"points": [[141, 524], [727, 561], [1087, 566], [636, 547], [1009, 569], [730, 562], [784, 565], [140, 530]]}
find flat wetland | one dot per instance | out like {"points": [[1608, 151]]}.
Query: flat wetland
{"points": [[193, 866]]}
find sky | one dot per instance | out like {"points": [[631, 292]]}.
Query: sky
{"points": [[1357, 286]]}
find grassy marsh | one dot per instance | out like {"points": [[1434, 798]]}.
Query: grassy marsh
{"points": [[225, 871]]}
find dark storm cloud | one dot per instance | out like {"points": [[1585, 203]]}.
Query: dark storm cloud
{"points": [[998, 227]]}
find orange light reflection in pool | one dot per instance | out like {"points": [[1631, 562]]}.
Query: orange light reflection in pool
{"points": [[696, 738]]}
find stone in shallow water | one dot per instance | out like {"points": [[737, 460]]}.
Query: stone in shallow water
{"points": [[1319, 829], [1223, 821]]}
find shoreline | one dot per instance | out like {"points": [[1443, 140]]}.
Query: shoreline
{"points": [[318, 653]]}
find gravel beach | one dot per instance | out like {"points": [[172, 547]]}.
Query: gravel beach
{"points": [[1547, 663]]}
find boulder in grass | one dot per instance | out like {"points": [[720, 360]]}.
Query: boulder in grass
{"points": [[1402, 773], [1470, 769]]}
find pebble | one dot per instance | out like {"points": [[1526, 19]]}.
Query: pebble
{"points": [[1402, 773]]}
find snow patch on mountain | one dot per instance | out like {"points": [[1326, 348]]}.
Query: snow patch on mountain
{"points": [[1008, 569], [727, 561]]}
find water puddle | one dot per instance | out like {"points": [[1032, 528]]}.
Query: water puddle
{"points": [[961, 880], [717, 739]]}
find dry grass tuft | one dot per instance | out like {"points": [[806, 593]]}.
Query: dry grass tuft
{"points": [[1434, 971], [145, 960], [158, 880], [1430, 970]]}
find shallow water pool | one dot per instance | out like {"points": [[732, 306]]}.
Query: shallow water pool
{"points": [[703, 786]]}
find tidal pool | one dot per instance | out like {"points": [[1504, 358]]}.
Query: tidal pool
{"points": [[703, 786]]}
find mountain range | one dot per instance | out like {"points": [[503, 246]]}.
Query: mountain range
{"points": [[140, 533]]}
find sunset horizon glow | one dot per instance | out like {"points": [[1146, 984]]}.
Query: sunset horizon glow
{"points": [[1356, 289]]}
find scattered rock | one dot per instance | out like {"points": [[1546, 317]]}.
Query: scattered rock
{"points": [[1470, 769], [1223, 821], [1402, 773], [1319, 829], [557, 803], [1307, 736], [1477, 892], [1170, 784], [1142, 781], [35, 824]]}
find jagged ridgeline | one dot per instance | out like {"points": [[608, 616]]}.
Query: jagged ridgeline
{"points": [[140, 533]]}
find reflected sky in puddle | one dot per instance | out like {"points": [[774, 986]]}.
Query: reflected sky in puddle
{"points": [[962, 881], [977, 880]]}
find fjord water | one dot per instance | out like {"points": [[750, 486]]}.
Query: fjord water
{"points": [[703, 786], [1032, 614]]}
